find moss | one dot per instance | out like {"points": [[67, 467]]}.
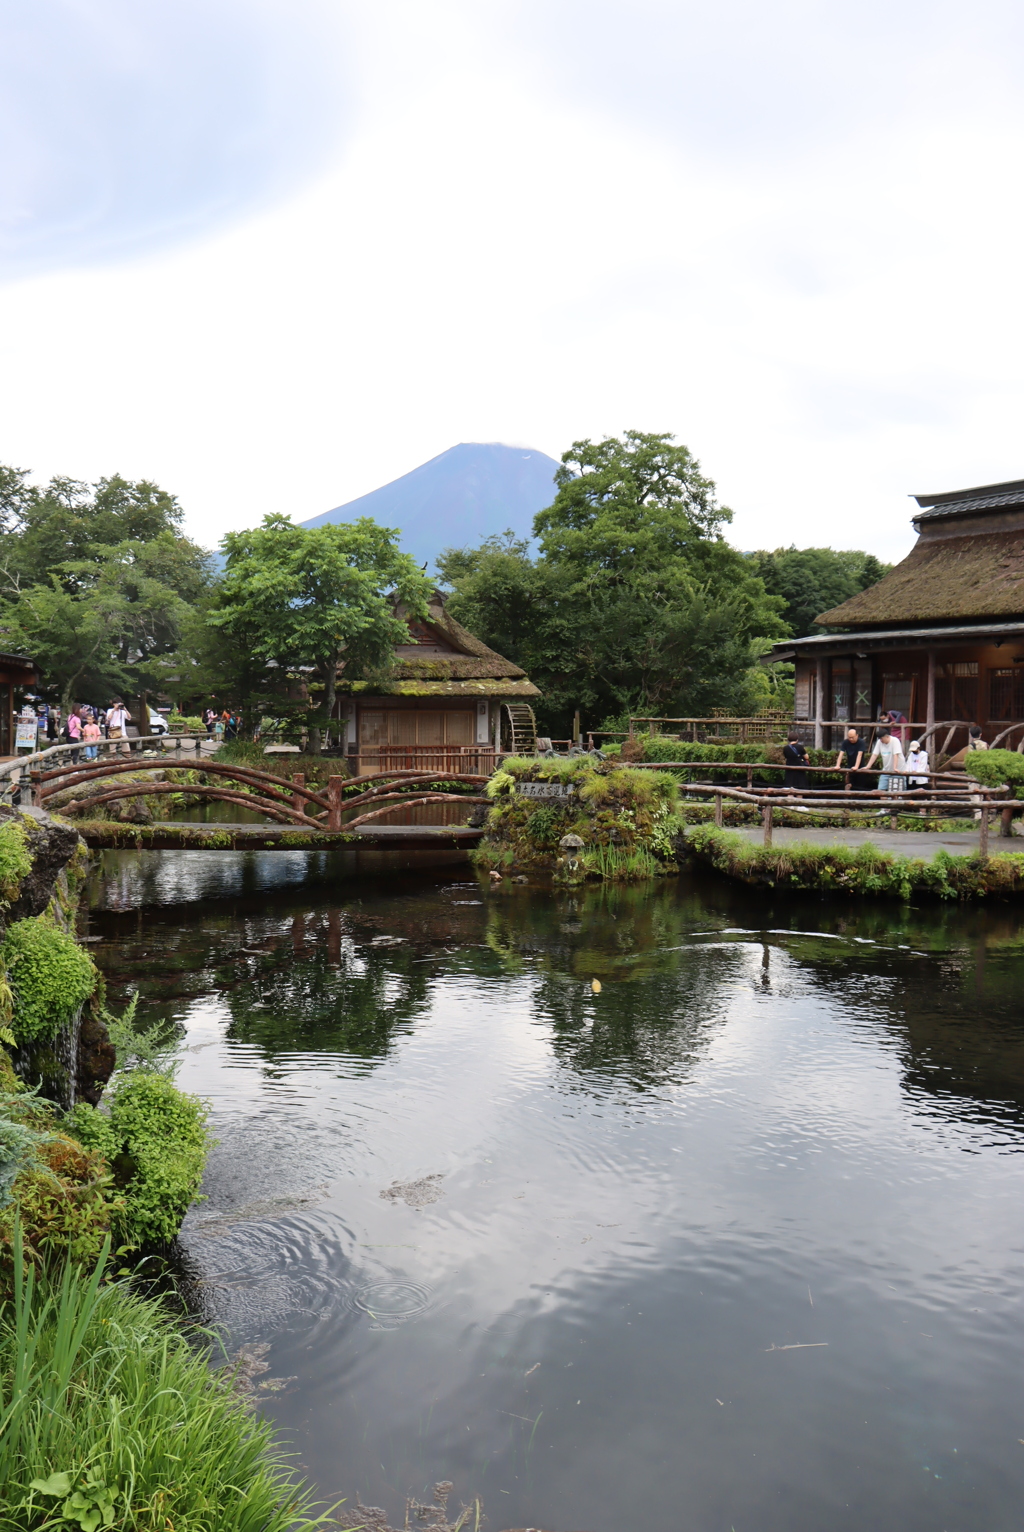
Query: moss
{"points": [[15, 859], [49, 975], [861, 871], [625, 818]]}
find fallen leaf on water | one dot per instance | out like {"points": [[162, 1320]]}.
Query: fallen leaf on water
{"points": [[595, 985]]}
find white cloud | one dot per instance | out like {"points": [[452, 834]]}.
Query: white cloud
{"points": [[794, 245]]}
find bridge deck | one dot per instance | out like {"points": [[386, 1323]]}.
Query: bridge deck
{"points": [[186, 836]]}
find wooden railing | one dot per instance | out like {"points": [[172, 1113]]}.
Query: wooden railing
{"points": [[443, 759]]}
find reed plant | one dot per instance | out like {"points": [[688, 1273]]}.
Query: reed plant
{"points": [[110, 1417]]}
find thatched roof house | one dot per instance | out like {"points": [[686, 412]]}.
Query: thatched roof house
{"points": [[447, 695], [941, 638]]}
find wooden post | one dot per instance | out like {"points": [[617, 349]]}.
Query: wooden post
{"points": [[750, 778], [983, 838], [819, 703], [335, 799], [719, 805], [298, 802], [576, 727], [767, 819], [929, 706], [1006, 823]]}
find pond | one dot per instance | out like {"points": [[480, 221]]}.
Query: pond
{"points": [[729, 1240]]}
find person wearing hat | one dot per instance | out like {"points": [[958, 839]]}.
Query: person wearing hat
{"points": [[917, 763]]}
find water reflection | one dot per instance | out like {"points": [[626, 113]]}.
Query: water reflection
{"points": [[704, 1248]]}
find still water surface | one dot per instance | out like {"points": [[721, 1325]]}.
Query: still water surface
{"points": [[734, 1243]]}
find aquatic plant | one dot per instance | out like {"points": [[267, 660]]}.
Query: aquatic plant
{"points": [[103, 1397], [49, 975]]}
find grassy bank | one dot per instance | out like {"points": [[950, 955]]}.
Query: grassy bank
{"points": [[109, 1416], [866, 870]]}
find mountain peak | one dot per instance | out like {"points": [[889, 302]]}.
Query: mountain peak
{"points": [[469, 492]]}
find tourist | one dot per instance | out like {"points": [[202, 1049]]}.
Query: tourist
{"points": [[889, 752], [117, 722], [975, 742], [917, 763], [91, 736], [209, 719], [794, 753], [218, 730], [73, 730], [849, 759], [231, 726]]}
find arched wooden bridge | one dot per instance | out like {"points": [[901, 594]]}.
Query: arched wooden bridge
{"points": [[288, 802]]}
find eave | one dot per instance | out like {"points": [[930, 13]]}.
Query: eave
{"points": [[895, 638]]}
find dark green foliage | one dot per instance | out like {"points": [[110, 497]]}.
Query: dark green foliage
{"points": [[49, 974], [98, 581], [310, 597], [814, 580], [637, 603], [156, 1139]]}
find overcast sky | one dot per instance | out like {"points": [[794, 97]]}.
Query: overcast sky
{"points": [[274, 253]]}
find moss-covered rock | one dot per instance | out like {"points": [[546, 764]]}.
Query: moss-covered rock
{"points": [[626, 820]]}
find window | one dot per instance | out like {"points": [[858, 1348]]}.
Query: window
{"points": [[956, 691], [898, 692], [1006, 695]]}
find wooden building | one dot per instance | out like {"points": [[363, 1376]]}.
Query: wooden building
{"points": [[16, 674], [449, 704], [940, 639]]}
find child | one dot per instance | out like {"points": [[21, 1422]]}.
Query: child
{"points": [[91, 734]]}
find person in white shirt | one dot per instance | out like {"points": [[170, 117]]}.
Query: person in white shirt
{"points": [[117, 719], [889, 752], [917, 763]]}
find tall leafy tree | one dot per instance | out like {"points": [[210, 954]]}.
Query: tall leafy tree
{"points": [[636, 603], [318, 598], [95, 581], [814, 580]]}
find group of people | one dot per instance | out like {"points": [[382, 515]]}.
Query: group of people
{"points": [[225, 725], [896, 771], [85, 724]]}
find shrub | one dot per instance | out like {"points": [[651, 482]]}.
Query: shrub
{"points": [[49, 976], [993, 768], [156, 1139]]}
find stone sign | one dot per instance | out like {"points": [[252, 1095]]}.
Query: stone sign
{"points": [[545, 789]]}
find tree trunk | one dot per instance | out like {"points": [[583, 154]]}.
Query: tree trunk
{"points": [[143, 711], [330, 693]]}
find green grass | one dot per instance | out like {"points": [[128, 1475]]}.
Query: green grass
{"points": [[101, 1394], [864, 870]]}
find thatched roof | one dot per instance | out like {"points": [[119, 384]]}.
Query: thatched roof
{"points": [[453, 662], [967, 564]]}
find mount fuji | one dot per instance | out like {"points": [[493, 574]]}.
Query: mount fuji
{"points": [[458, 498]]}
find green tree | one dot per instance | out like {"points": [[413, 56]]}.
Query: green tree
{"points": [[814, 580], [315, 598], [95, 582], [636, 603]]}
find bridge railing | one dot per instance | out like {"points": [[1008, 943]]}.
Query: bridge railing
{"points": [[16, 774]]}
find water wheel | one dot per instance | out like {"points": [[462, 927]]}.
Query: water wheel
{"points": [[518, 728]]}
